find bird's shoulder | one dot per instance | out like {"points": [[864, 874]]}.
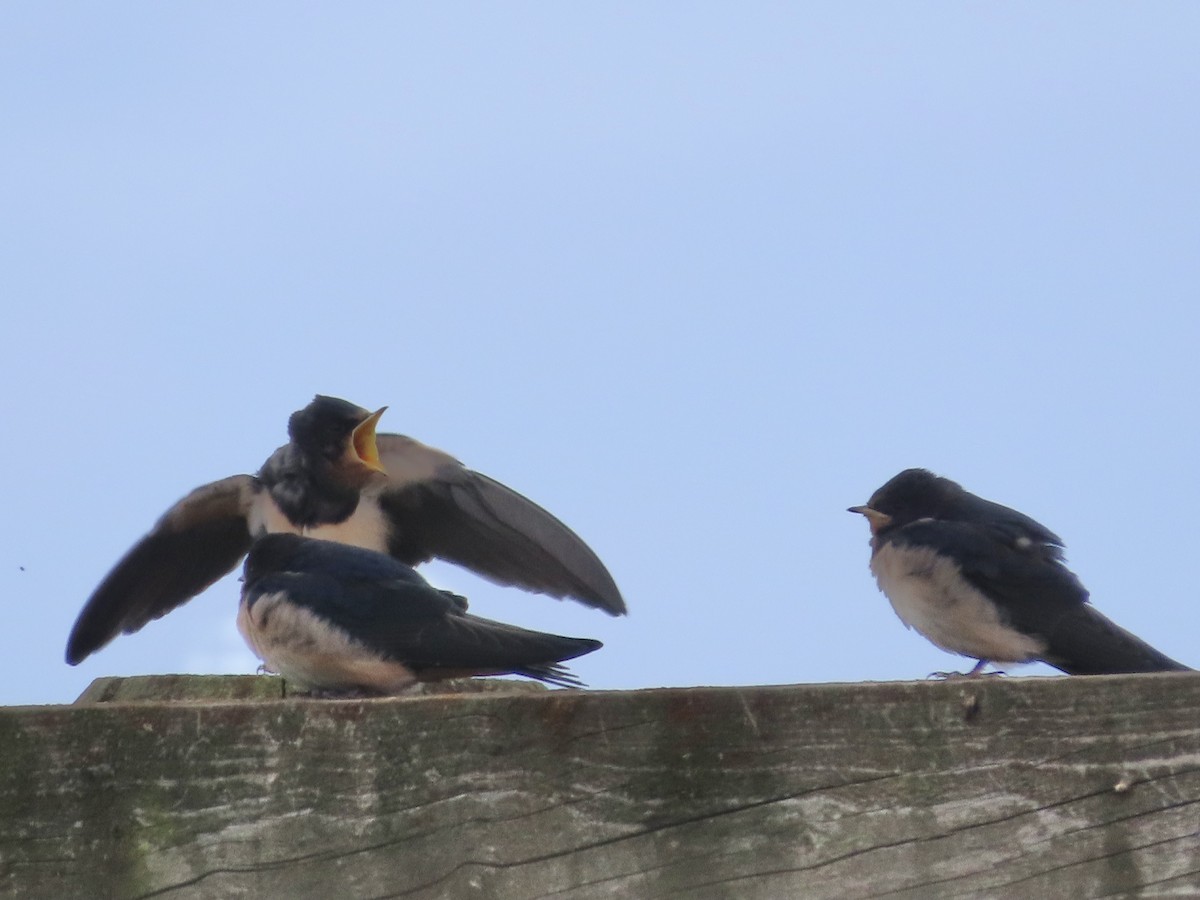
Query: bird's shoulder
{"points": [[287, 462], [1009, 535], [348, 563], [408, 461], [357, 591], [1005, 557], [228, 498]]}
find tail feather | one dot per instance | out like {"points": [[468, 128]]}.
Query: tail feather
{"points": [[1089, 643], [551, 673], [558, 649]]}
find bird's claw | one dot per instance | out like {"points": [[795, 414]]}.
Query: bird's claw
{"points": [[976, 672]]}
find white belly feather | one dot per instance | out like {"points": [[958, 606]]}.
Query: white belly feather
{"points": [[367, 526], [309, 652], [928, 593]]}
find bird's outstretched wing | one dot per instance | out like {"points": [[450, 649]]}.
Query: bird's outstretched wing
{"points": [[197, 541], [440, 508]]}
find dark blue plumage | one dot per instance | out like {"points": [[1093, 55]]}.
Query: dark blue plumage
{"points": [[335, 617], [988, 582], [336, 479]]}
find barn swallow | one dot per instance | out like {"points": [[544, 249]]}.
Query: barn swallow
{"points": [[987, 582], [335, 618], [337, 479]]}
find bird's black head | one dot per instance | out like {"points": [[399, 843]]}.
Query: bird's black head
{"points": [[911, 495], [337, 432], [271, 553]]}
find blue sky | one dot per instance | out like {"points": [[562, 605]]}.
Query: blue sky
{"points": [[695, 277]]}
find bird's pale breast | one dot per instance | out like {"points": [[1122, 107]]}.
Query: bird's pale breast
{"points": [[928, 593], [366, 527], [312, 653]]}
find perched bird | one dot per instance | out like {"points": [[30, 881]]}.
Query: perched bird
{"points": [[985, 581], [336, 479], [330, 617]]}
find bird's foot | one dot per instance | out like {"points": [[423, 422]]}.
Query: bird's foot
{"points": [[976, 672]]}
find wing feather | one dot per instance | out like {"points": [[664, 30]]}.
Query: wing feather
{"points": [[196, 542], [1024, 575], [440, 508]]}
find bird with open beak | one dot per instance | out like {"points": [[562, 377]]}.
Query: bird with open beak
{"points": [[337, 479]]}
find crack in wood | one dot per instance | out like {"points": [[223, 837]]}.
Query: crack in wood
{"points": [[642, 833], [1116, 854]]}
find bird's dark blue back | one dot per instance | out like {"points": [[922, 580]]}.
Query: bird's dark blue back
{"points": [[292, 553], [367, 594]]}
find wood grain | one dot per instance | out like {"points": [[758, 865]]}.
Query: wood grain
{"points": [[1056, 787]]}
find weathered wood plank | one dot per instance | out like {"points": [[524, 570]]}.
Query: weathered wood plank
{"points": [[181, 689], [999, 787], [220, 688]]}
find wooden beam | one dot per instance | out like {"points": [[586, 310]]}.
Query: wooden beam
{"points": [[999, 787]]}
